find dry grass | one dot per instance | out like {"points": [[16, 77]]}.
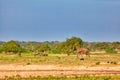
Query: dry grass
{"points": [[62, 59], [56, 62]]}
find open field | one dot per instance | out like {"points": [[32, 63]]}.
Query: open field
{"points": [[59, 66], [62, 59]]}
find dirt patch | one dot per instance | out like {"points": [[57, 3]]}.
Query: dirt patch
{"points": [[46, 70]]}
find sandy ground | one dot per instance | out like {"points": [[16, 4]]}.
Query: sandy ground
{"points": [[55, 70]]}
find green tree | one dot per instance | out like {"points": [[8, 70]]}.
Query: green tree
{"points": [[60, 48], [43, 48], [72, 44], [11, 46]]}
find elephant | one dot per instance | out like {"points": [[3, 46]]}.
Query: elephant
{"points": [[82, 51]]}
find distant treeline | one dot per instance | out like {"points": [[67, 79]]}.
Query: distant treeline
{"points": [[70, 45]]}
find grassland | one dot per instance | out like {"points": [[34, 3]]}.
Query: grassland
{"points": [[62, 61]]}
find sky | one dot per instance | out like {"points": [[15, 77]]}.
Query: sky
{"points": [[51, 20]]}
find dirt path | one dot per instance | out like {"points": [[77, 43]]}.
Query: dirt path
{"points": [[55, 70]]}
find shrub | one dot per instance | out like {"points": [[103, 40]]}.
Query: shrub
{"points": [[108, 62], [28, 63], [110, 50], [113, 62], [11, 47], [81, 58], [97, 63]]}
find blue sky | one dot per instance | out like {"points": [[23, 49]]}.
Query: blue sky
{"points": [[50, 20]]}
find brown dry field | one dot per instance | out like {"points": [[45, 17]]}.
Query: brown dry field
{"points": [[54, 70], [58, 65]]}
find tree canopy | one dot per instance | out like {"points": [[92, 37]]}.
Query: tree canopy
{"points": [[43, 48], [70, 45], [11, 46]]}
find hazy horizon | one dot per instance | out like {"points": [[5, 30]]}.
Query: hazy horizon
{"points": [[57, 20]]}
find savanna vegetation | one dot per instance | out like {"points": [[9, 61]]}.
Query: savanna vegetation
{"points": [[62, 54], [56, 47], [62, 60], [58, 51]]}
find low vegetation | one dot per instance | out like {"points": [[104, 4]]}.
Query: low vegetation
{"points": [[61, 59], [56, 47], [62, 54], [84, 77]]}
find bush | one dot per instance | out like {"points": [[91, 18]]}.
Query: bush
{"points": [[111, 62], [81, 58], [108, 62], [28, 63], [110, 50], [97, 63], [11, 47]]}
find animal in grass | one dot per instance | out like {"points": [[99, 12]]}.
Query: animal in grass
{"points": [[45, 54], [37, 54], [82, 51], [68, 53], [19, 54]]}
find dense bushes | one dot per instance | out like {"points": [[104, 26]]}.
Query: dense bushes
{"points": [[11, 46]]}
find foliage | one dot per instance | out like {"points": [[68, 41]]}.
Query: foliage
{"points": [[43, 48], [116, 45], [101, 45], [110, 49], [11, 46], [30, 46], [72, 44], [60, 48], [66, 46], [69, 46]]}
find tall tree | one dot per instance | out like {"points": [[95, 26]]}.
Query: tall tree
{"points": [[72, 44]]}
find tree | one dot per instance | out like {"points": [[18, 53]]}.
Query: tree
{"points": [[101, 45], [72, 44], [43, 48], [11, 46], [116, 45], [60, 48]]}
